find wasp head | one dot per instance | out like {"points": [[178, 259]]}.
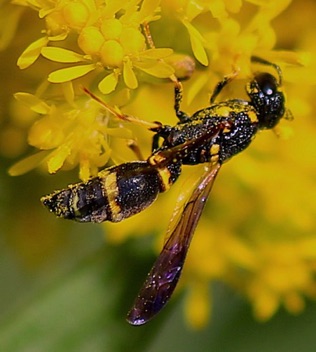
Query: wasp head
{"points": [[267, 98]]}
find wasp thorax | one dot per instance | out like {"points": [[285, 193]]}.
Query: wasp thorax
{"points": [[267, 98]]}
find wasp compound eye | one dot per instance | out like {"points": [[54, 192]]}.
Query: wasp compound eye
{"points": [[267, 83], [267, 98]]}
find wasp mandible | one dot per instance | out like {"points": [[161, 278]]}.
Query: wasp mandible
{"points": [[212, 136]]}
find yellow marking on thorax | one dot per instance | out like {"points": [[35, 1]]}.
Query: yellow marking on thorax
{"points": [[252, 116], [164, 174], [156, 159]]}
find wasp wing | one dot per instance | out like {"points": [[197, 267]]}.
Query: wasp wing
{"points": [[164, 275]]}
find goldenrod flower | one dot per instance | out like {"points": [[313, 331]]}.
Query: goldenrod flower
{"points": [[113, 48], [258, 230], [109, 36], [69, 134]]}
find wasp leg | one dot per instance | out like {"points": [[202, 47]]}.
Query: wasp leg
{"points": [[163, 133], [116, 112], [181, 115], [155, 142], [220, 85], [134, 147]]}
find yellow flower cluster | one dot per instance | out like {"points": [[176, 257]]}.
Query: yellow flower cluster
{"points": [[108, 35], [264, 247], [111, 46], [69, 134]]}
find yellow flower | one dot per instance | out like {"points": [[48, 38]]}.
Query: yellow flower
{"points": [[109, 36], [284, 273], [69, 134], [257, 234]]}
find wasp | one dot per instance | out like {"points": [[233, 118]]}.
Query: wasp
{"points": [[211, 136]]}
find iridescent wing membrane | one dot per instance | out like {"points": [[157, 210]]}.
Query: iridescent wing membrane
{"points": [[164, 275]]}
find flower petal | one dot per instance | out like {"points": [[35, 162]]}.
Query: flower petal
{"points": [[31, 53], [108, 83], [196, 43], [37, 105], [28, 163], [84, 170], [57, 158], [129, 75], [158, 53], [113, 6], [69, 93], [159, 69], [58, 37], [70, 73], [61, 55], [147, 11]]}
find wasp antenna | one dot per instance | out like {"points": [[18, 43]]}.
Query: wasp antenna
{"points": [[116, 112], [223, 83], [109, 108]]}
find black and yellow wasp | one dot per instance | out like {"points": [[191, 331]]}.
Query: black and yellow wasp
{"points": [[212, 136]]}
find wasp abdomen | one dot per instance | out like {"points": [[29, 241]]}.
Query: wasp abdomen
{"points": [[115, 194]]}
